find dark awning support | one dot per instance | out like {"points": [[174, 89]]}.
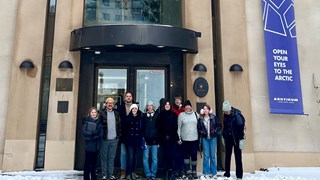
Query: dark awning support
{"points": [[134, 38]]}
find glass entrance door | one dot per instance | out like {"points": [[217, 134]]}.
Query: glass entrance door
{"points": [[148, 84], [112, 82]]}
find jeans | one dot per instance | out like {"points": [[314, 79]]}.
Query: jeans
{"points": [[131, 159], [108, 154], [154, 163], [123, 157], [209, 156]]}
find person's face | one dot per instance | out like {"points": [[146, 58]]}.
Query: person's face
{"points": [[149, 108], [227, 112], [206, 110], [188, 108], [167, 106], [109, 105], [177, 101], [128, 97], [93, 113], [134, 111]]}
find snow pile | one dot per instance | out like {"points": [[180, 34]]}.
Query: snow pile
{"points": [[270, 174], [42, 175]]}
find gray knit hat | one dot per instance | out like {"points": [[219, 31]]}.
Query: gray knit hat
{"points": [[226, 106]]}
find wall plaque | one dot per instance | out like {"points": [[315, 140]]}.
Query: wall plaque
{"points": [[63, 107], [64, 84], [200, 87]]}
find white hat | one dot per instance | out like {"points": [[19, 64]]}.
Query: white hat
{"points": [[133, 106], [226, 106]]}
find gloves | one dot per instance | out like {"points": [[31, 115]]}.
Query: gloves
{"points": [[241, 144], [222, 140]]}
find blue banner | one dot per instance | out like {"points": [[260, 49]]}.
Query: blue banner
{"points": [[282, 57]]}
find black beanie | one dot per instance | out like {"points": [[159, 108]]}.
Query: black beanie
{"points": [[187, 102]]}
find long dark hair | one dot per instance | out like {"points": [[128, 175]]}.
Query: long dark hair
{"points": [[164, 104]]}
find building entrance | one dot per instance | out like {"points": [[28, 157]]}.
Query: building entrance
{"points": [[149, 76]]}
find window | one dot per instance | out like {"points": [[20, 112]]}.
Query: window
{"points": [[118, 17], [105, 16], [166, 12], [105, 2]]}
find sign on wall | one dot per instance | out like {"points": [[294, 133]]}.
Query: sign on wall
{"points": [[282, 57]]}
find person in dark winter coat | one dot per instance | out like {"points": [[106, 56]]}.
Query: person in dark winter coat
{"points": [[124, 108], [132, 138], [150, 134], [168, 137], [208, 128], [233, 137], [92, 131]]}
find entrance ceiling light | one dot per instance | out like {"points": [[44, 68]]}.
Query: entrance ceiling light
{"points": [[119, 45]]}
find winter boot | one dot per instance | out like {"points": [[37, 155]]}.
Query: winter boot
{"points": [[123, 174], [173, 175], [167, 175], [128, 177], [133, 176]]}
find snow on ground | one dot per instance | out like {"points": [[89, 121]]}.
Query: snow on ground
{"points": [[276, 173]]}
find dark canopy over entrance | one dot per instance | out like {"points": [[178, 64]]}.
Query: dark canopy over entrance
{"points": [[155, 38]]}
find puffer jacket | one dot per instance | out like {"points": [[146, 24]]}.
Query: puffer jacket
{"points": [[150, 128], [233, 125], [215, 127], [92, 132]]}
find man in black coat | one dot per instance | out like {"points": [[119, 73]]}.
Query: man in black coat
{"points": [[233, 137], [124, 108]]}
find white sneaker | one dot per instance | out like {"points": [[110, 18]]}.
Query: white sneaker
{"points": [[203, 177], [215, 177]]}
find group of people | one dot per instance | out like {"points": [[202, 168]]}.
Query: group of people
{"points": [[175, 127]]}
